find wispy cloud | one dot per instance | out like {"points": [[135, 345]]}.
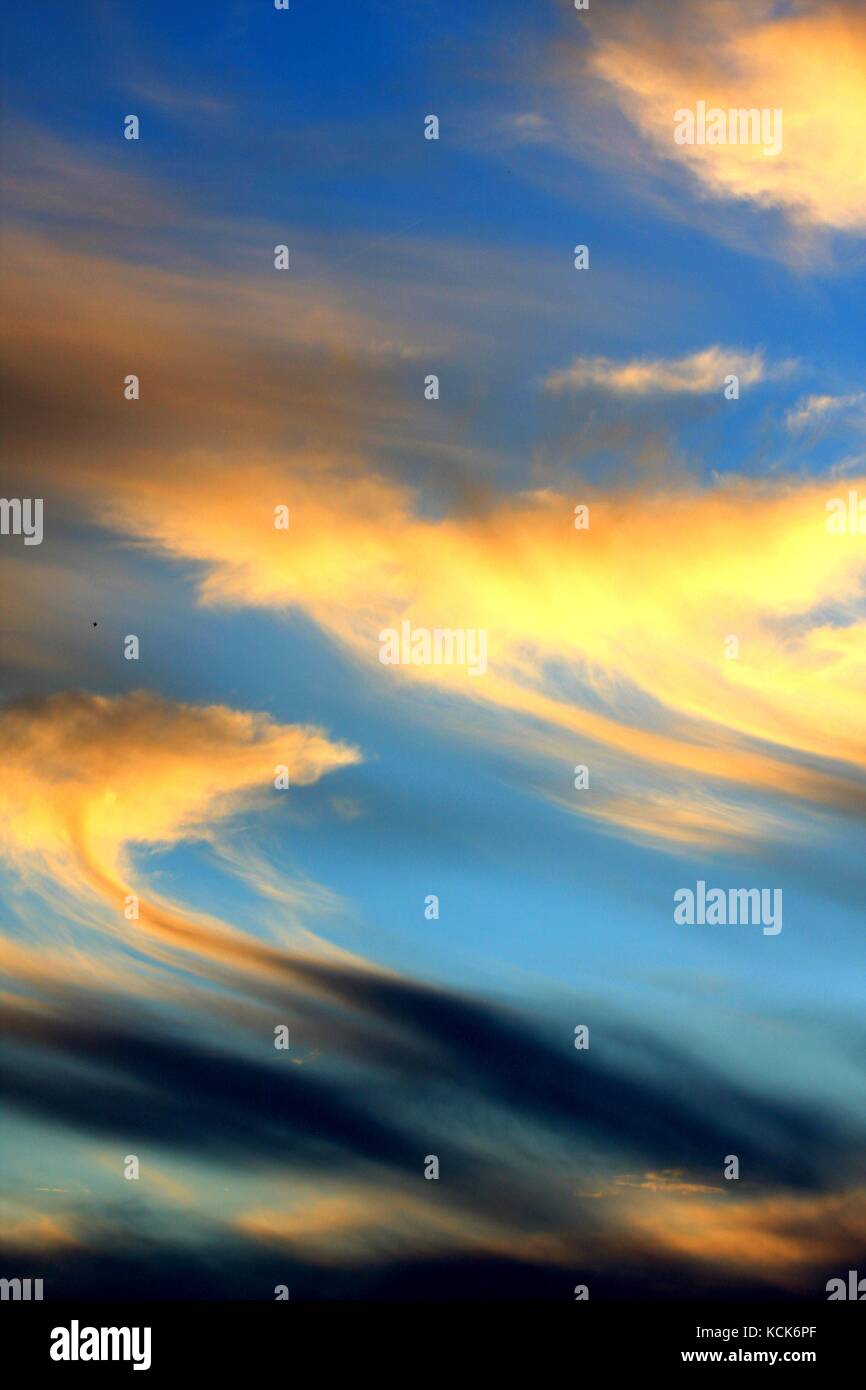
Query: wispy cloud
{"points": [[806, 62], [643, 671], [761, 565], [696, 373], [139, 770], [817, 410], [433, 1060]]}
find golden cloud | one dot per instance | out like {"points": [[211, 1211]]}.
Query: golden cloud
{"points": [[614, 635], [697, 373], [89, 777], [779, 1237], [808, 64], [637, 608]]}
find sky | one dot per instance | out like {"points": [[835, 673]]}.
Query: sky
{"points": [[511, 1071]]}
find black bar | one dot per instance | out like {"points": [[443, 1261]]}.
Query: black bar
{"points": [[300, 1339]]}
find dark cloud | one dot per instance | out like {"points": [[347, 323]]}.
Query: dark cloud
{"points": [[108, 1077], [131, 1265], [433, 1062], [664, 1105]]}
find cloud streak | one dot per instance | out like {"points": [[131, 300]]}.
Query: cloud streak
{"points": [[698, 373], [139, 771], [452, 1075], [807, 62]]}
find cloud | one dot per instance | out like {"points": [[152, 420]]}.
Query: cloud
{"points": [[44, 177], [527, 128], [814, 410], [778, 1237], [206, 1100], [698, 373], [590, 631], [33, 1229], [215, 1104], [88, 778], [217, 356], [405, 1069], [129, 1263], [807, 62], [180, 99], [678, 817], [258, 391]]}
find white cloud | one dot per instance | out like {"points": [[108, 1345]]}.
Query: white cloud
{"points": [[698, 373], [811, 410]]}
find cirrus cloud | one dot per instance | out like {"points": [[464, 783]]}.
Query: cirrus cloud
{"points": [[90, 778], [696, 373]]}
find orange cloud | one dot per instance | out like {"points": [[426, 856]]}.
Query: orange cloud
{"points": [[634, 612], [778, 1237], [698, 373], [31, 1229], [809, 64], [352, 1225], [614, 636], [88, 778], [781, 1237]]}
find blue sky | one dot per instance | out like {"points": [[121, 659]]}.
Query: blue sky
{"points": [[557, 387]]}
